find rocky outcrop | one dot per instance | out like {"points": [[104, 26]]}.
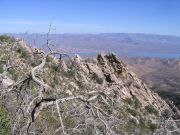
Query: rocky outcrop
{"points": [[115, 75], [5, 81]]}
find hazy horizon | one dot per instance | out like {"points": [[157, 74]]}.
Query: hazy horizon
{"points": [[43, 33]]}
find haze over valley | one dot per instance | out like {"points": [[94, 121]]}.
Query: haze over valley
{"points": [[123, 44]]}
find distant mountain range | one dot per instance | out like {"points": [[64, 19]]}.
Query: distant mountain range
{"points": [[123, 44]]}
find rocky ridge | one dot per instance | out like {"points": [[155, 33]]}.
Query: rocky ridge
{"points": [[78, 96]]}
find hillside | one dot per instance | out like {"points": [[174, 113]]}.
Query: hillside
{"points": [[162, 75], [43, 94]]}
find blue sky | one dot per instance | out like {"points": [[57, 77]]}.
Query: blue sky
{"points": [[91, 16]]}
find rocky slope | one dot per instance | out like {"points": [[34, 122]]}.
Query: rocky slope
{"points": [[41, 94], [162, 75]]}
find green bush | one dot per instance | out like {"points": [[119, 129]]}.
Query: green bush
{"points": [[129, 101], [129, 128], [49, 59], [1, 70], [14, 74], [151, 110], [5, 121], [137, 103], [132, 111], [153, 127], [34, 63], [23, 53], [97, 78], [54, 81], [5, 38], [70, 73], [146, 126], [2, 63], [134, 102]]}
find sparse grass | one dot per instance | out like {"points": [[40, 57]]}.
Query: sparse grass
{"points": [[69, 122], [90, 130], [46, 116], [5, 121]]}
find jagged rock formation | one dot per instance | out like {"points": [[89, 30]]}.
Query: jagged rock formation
{"points": [[90, 96], [116, 76]]}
